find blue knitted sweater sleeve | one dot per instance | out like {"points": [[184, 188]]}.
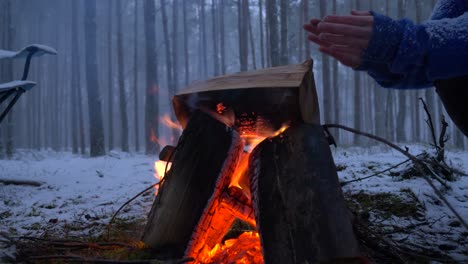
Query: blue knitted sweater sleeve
{"points": [[404, 55]]}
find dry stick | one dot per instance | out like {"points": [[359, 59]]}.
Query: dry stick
{"points": [[140, 193], [76, 243], [375, 174], [416, 161], [442, 139], [75, 258], [21, 182], [125, 204], [430, 124]]}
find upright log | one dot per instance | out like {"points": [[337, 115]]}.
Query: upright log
{"points": [[299, 207], [207, 153]]}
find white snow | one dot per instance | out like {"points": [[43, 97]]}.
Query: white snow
{"points": [[26, 85], [89, 190], [41, 50], [75, 189]]}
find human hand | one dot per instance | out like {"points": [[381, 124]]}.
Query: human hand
{"points": [[343, 37]]}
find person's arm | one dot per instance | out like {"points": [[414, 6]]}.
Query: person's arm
{"points": [[449, 9], [417, 55], [398, 54]]}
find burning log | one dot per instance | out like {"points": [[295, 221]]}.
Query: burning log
{"points": [[207, 154], [299, 207]]}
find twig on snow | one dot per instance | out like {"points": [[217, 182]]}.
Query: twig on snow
{"points": [[375, 174], [418, 164]]}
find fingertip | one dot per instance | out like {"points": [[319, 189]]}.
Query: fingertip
{"points": [[360, 13], [314, 21]]}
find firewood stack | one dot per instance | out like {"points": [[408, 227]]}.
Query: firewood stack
{"points": [[289, 191]]}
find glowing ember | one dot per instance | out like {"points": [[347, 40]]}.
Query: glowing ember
{"points": [[244, 249], [220, 108]]}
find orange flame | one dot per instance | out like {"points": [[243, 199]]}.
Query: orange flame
{"points": [[160, 171], [244, 249], [166, 120]]}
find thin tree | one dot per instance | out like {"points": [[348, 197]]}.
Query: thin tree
{"points": [[251, 37], [186, 35], [203, 40], [326, 84], [167, 45], [75, 77], [9, 75], [96, 133], [215, 37], [122, 94], [336, 84], [401, 116], [151, 105], [135, 78], [261, 26], [305, 11], [175, 47], [284, 31], [110, 77], [222, 37], [242, 28], [272, 20], [357, 96]]}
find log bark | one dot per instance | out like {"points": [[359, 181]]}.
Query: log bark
{"points": [[206, 156], [299, 207]]}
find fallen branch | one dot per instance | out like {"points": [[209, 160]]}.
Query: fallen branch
{"points": [[125, 204], [375, 174], [418, 164], [21, 182], [140, 193], [74, 244], [75, 258]]}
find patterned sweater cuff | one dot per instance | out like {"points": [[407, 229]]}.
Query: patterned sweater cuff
{"points": [[386, 37]]}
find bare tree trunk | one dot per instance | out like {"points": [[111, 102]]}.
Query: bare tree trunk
{"points": [[167, 45], [242, 28], [186, 53], [9, 75], [272, 20], [135, 79], [300, 33], [175, 45], [401, 95], [110, 95], [96, 132], [75, 78], [215, 38], [122, 94], [203, 35], [305, 9], [284, 31], [251, 38], [222, 37], [326, 84], [151, 105], [336, 85], [357, 98], [262, 45]]}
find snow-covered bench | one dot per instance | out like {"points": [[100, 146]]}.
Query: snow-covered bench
{"points": [[16, 88]]}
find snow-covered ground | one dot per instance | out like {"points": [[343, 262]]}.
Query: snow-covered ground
{"points": [[89, 190], [75, 189]]}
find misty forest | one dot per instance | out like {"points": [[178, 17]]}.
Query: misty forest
{"points": [[86, 138], [120, 62]]}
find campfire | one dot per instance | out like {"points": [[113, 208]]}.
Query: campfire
{"points": [[252, 151]]}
